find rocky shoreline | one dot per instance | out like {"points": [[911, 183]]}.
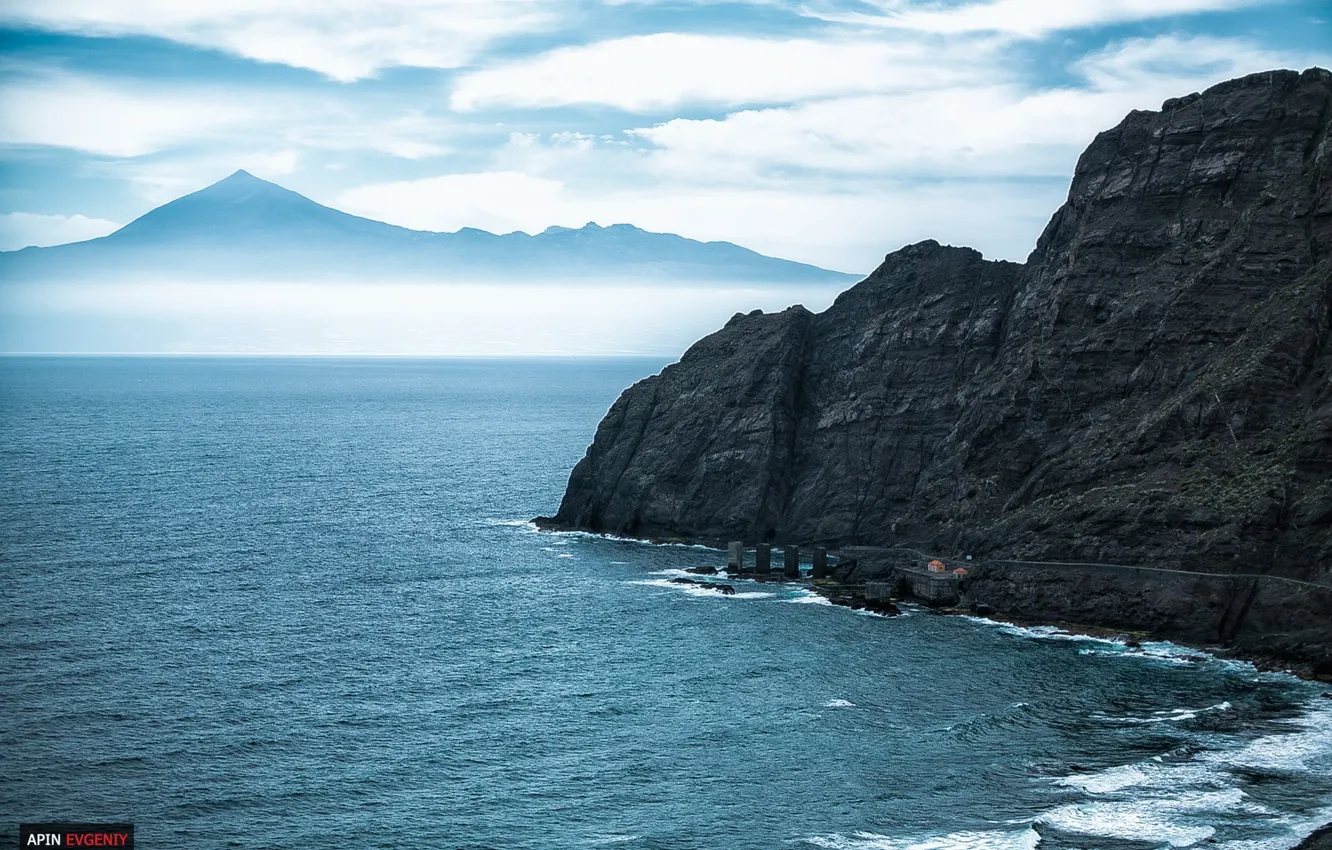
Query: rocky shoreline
{"points": [[1321, 839], [852, 596]]}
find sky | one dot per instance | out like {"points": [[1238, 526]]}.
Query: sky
{"points": [[825, 131]]}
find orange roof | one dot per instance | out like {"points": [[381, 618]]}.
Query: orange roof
{"points": [[936, 563]]}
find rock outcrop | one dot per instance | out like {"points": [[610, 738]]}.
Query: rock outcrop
{"points": [[1153, 386]]}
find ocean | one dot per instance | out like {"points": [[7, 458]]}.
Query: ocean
{"points": [[293, 603]]}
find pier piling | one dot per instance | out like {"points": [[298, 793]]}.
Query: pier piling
{"points": [[820, 558], [791, 562], [763, 558]]}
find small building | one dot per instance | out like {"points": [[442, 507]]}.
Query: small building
{"points": [[936, 566], [960, 573]]}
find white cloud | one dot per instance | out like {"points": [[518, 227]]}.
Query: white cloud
{"points": [[342, 39], [127, 118], [992, 131], [498, 201], [834, 181], [413, 135], [21, 229], [100, 118], [378, 317], [1028, 18], [664, 70], [1162, 66], [953, 132], [159, 180]]}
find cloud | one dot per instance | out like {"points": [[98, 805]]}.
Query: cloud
{"points": [[1160, 66], [665, 70], [127, 118], [342, 39], [21, 229], [953, 133], [832, 180], [379, 317], [1027, 18], [159, 179], [996, 130], [110, 120], [413, 135], [498, 201]]}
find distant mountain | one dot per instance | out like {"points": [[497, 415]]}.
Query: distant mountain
{"points": [[247, 227]]}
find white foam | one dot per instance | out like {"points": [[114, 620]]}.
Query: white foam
{"points": [[1129, 653], [1309, 749], [1153, 773], [839, 703], [1128, 821], [1165, 649], [1296, 829], [1026, 839], [1171, 715], [803, 596], [564, 555], [1105, 781], [700, 590], [1160, 800], [1162, 651], [1039, 632], [515, 523], [1153, 819], [588, 535]]}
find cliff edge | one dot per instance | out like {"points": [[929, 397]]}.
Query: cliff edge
{"points": [[1152, 387]]}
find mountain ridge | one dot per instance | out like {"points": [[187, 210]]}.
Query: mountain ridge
{"points": [[244, 225]]}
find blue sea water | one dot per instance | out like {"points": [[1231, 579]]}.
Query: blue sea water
{"points": [[286, 603]]}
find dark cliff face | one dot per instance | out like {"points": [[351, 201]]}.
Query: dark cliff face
{"points": [[1153, 386]]}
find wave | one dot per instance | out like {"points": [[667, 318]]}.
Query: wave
{"points": [[702, 590], [514, 523], [803, 596], [1306, 748], [1038, 632], [1169, 715], [1026, 839], [1154, 773], [1117, 647], [839, 703], [1152, 820], [1186, 802], [615, 538], [532, 527]]}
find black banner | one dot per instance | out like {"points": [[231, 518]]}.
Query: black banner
{"points": [[64, 835]]}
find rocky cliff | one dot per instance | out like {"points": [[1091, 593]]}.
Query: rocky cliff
{"points": [[1153, 386]]}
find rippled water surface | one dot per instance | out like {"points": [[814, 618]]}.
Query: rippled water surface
{"points": [[288, 603]]}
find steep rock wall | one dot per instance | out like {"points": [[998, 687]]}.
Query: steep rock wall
{"points": [[1154, 385]]}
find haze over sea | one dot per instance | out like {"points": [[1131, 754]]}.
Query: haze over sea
{"points": [[295, 602]]}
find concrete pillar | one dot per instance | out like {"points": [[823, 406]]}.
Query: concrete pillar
{"points": [[763, 558], [791, 562], [820, 558], [735, 557]]}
